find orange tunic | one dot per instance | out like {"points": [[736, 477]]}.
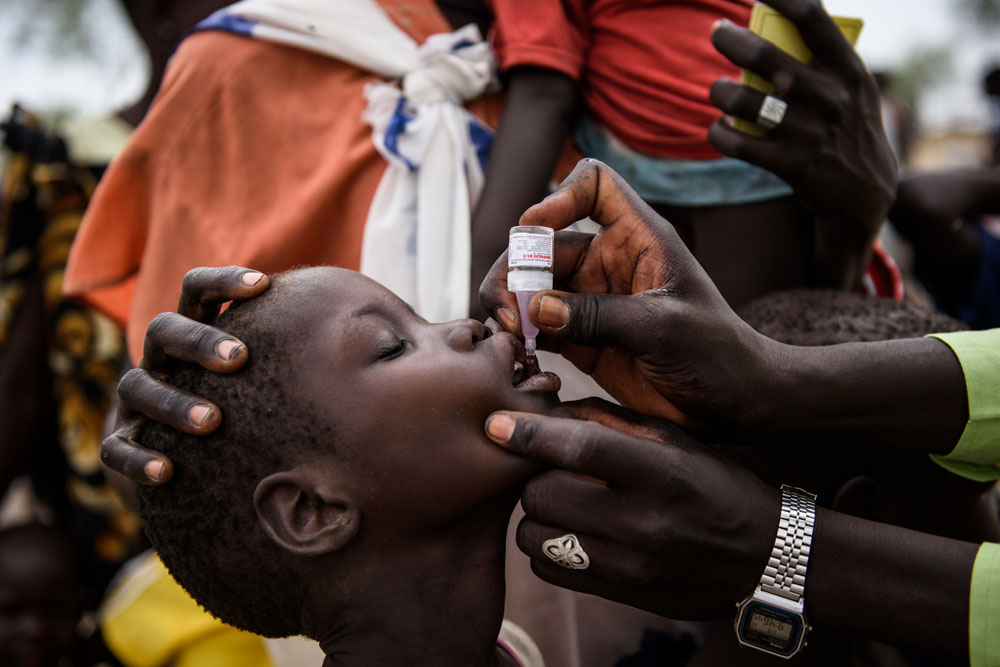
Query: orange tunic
{"points": [[253, 154]]}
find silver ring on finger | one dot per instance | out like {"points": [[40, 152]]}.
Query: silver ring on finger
{"points": [[567, 551], [772, 112]]}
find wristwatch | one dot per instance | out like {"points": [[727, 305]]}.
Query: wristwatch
{"points": [[773, 618]]}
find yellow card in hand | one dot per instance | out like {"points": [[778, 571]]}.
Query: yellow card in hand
{"points": [[781, 32]]}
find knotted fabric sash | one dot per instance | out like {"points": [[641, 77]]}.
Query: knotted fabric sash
{"points": [[417, 234]]}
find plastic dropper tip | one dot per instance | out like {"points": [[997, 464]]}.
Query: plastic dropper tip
{"points": [[529, 350]]}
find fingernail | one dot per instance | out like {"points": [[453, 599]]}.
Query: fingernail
{"points": [[251, 278], [719, 23], [153, 470], [553, 312], [198, 414], [505, 316], [228, 349], [500, 428]]}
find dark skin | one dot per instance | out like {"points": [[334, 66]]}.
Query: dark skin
{"points": [[685, 533], [622, 290], [830, 149], [414, 507], [645, 321], [538, 110], [745, 383]]}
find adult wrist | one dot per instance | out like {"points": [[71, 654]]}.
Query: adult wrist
{"points": [[781, 398], [772, 617]]}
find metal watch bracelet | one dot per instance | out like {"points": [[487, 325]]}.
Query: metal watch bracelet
{"points": [[785, 574]]}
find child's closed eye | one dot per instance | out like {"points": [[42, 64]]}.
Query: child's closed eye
{"points": [[390, 348]]}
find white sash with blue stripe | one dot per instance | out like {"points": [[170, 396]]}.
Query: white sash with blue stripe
{"points": [[417, 234]]}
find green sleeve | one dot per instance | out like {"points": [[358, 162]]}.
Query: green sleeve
{"points": [[984, 608], [977, 454]]}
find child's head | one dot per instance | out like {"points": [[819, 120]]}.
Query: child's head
{"points": [[352, 438], [828, 317], [39, 595]]}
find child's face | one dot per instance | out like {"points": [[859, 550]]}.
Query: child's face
{"points": [[408, 399]]}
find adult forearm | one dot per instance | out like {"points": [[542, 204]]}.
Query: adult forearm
{"points": [[889, 583], [842, 250], [903, 394]]}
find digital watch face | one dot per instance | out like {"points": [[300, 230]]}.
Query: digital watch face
{"points": [[769, 629]]}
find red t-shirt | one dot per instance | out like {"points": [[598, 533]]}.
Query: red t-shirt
{"points": [[644, 66]]}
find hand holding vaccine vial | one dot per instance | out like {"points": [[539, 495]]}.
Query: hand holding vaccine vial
{"points": [[529, 270]]}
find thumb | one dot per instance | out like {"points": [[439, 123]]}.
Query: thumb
{"points": [[596, 320]]}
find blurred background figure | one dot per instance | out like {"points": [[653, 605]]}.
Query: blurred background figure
{"points": [[949, 219], [59, 360], [991, 86], [40, 603]]}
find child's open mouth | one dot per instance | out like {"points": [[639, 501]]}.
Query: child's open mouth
{"points": [[528, 377], [519, 372]]}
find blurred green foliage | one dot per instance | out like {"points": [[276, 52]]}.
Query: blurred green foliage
{"points": [[921, 70], [983, 13]]}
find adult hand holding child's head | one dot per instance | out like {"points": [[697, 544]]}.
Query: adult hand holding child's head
{"points": [[182, 336], [638, 313]]}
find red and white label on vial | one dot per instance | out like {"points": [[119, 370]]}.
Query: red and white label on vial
{"points": [[528, 250]]}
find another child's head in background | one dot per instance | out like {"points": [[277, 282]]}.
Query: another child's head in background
{"points": [[879, 484], [351, 454], [39, 596]]}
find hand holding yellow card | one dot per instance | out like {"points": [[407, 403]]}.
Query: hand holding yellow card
{"points": [[775, 28]]}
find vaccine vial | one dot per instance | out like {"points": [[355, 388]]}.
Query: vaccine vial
{"points": [[529, 270]]}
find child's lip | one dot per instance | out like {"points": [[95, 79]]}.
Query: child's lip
{"points": [[533, 380], [517, 350], [512, 355], [541, 382]]}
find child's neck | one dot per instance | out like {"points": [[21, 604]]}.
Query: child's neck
{"points": [[441, 605]]}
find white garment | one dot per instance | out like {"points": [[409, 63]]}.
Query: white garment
{"points": [[520, 645], [417, 235]]}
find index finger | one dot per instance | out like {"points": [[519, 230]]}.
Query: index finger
{"points": [[584, 448], [205, 289], [496, 299], [819, 31], [591, 190]]}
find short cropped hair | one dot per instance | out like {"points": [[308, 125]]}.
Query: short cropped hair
{"points": [[828, 317], [203, 523]]}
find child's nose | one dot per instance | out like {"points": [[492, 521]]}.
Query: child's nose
{"points": [[464, 334]]}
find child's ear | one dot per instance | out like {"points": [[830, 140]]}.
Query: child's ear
{"points": [[305, 513]]}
